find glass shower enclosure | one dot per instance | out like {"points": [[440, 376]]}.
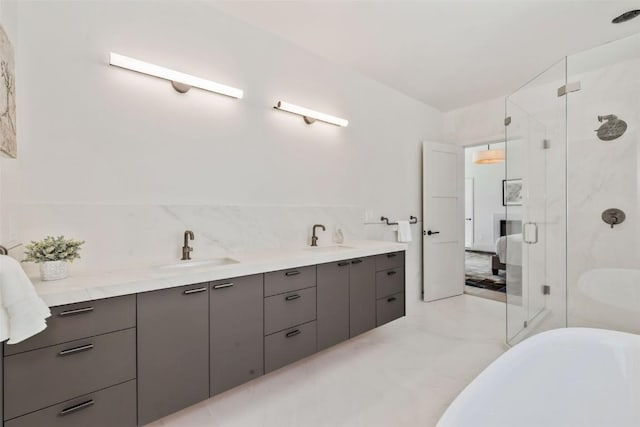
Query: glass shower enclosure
{"points": [[572, 194]]}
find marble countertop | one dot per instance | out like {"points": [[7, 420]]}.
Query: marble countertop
{"points": [[79, 288]]}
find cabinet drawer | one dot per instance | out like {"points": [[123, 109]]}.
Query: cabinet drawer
{"points": [[279, 282], [114, 406], [74, 321], [286, 347], [389, 308], [39, 378], [389, 282], [390, 260], [289, 309]]}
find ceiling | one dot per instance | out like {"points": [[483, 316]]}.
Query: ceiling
{"points": [[446, 53]]}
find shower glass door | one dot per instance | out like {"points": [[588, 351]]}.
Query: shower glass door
{"points": [[534, 194]]}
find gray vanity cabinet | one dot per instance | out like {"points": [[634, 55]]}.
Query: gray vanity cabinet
{"points": [[362, 295], [173, 350], [237, 339], [333, 303]]}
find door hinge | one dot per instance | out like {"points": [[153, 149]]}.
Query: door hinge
{"points": [[568, 88], [526, 323], [546, 144], [546, 290], [507, 120]]}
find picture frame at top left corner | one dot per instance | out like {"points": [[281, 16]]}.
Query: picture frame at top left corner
{"points": [[8, 140]]}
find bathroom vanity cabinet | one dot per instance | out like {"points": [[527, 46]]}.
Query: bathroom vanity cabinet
{"points": [[79, 371], [236, 331], [173, 350], [129, 360]]}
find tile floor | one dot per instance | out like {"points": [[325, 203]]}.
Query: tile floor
{"points": [[403, 374]]}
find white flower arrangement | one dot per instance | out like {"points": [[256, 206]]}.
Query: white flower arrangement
{"points": [[53, 249]]}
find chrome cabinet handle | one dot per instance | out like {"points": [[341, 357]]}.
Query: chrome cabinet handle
{"points": [[342, 264], [392, 299], [293, 333], [194, 291], [75, 350], [223, 285], [76, 408], [391, 273], [76, 311], [292, 273], [357, 261], [292, 297], [391, 255]]}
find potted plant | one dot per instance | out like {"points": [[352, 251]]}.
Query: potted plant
{"points": [[54, 255]]}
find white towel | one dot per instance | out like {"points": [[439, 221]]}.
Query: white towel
{"points": [[22, 311], [404, 231]]}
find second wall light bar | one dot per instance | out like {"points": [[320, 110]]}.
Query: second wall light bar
{"points": [[311, 116], [181, 82]]}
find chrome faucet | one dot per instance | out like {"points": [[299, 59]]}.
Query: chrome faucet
{"points": [[314, 238], [186, 249], [3, 250]]}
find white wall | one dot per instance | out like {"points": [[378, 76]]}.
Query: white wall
{"points": [[487, 197], [93, 136]]}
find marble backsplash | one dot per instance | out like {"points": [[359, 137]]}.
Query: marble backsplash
{"points": [[126, 236], [130, 236]]}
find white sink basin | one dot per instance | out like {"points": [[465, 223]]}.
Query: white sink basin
{"points": [[332, 248], [194, 264]]}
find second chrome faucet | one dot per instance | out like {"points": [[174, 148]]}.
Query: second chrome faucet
{"points": [[186, 249], [314, 238]]}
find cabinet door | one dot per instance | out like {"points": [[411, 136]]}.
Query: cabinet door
{"points": [[237, 338], [173, 350], [362, 295], [333, 303]]}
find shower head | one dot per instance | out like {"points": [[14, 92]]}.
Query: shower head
{"points": [[612, 128], [627, 16]]}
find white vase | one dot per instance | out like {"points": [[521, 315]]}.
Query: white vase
{"points": [[54, 270]]}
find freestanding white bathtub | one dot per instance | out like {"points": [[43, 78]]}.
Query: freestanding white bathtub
{"points": [[573, 377]]}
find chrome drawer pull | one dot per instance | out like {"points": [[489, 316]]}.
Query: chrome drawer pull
{"points": [[357, 261], [292, 273], [391, 273], [342, 264], [76, 311], [392, 299], [223, 285], [391, 255], [292, 297], [293, 333], [194, 291], [75, 350], [76, 408]]}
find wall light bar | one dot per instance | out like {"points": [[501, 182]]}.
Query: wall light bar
{"points": [[311, 116], [181, 82]]}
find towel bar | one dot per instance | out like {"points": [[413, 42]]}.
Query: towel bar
{"points": [[412, 220]]}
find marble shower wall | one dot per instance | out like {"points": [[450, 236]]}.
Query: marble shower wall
{"points": [[603, 175]]}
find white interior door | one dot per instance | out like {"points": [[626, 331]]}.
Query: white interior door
{"points": [[468, 212], [443, 216]]}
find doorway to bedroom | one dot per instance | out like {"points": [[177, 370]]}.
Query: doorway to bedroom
{"points": [[486, 226]]}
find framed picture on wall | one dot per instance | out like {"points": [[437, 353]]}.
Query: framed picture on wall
{"points": [[511, 192], [8, 144]]}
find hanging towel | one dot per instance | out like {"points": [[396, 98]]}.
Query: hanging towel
{"points": [[22, 311], [404, 231]]}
